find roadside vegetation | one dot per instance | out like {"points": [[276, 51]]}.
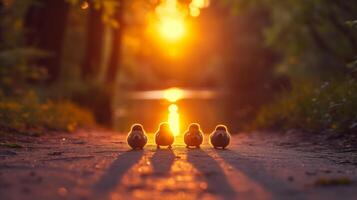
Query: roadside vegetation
{"points": [[29, 70], [317, 44], [29, 115], [329, 108]]}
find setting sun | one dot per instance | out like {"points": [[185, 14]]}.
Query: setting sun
{"points": [[173, 94], [170, 17], [172, 29]]}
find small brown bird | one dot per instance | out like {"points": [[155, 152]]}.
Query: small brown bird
{"points": [[164, 136], [220, 137], [193, 136], [136, 138]]}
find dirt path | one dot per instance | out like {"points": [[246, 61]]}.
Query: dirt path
{"points": [[98, 165]]}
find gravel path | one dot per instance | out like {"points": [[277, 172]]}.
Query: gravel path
{"points": [[99, 165]]}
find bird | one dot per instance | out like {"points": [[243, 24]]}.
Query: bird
{"points": [[220, 137], [193, 136], [137, 138], [164, 136]]}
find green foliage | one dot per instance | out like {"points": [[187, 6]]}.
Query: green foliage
{"points": [[15, 71], [29, 115], [22, 111], [94, 97], [16, 67], [327, 107], [315, 38]]}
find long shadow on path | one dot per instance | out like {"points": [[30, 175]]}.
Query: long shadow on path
{"points": [[216, 180], [256, 171], [162, 161], [112, 177]]}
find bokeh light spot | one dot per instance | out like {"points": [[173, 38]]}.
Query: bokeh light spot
{"points": [[84, 5]]}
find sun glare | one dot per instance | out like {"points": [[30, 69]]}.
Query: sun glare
{"points": [[171, 20], [174, 119], [173, 94], [170, 24], [172, 29]]}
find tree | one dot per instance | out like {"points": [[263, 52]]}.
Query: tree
{"points": [[46, 24], [115, 58], [93, 54]]}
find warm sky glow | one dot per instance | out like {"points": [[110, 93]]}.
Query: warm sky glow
{"points": [[174, 119], [173, 94]]}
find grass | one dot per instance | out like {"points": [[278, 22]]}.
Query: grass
{"points": [[29, 115], [325, 107]]}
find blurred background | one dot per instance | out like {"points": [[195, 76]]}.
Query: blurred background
{"points": [[258, 64]]}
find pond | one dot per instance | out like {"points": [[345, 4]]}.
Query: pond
{"points": [[178, 106]]}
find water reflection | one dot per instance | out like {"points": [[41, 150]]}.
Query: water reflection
{"points": [[173, 94], [178, 106], [174, 119]]}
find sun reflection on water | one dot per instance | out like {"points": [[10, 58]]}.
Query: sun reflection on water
{"points": [[173, 95], [174, 119], [172, 105]]}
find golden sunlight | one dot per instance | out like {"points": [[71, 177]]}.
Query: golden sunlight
{"points": [[171, 20], [173, 94], [174, 119], [196, 5], [172, 29], [170, 25]]}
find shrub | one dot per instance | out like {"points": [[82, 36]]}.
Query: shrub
{"points": [[30, 115], [329, 106]]}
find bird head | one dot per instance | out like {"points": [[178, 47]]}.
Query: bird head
{"points": [[194, 127], [137, 127], [221, 128], [164, 126]]}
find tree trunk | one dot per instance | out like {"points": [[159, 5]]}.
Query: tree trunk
{"points": [[115, 57], [46, 23], [93, 55]]}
